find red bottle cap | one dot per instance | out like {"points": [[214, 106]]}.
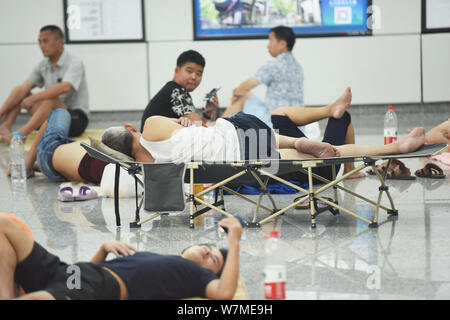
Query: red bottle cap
{"points": [[391, 108], [274, 234]]}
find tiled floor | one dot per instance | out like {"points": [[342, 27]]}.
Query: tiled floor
{"points": [[404, 258]]}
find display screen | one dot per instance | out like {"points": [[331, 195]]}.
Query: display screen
{"points": [[435, 16], [216, 19], [104, 21]]}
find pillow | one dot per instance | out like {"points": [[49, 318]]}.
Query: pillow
{"points": [[127, 188], [100, 146]]}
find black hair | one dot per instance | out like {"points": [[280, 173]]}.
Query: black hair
{"points": [[53, 29], [223, 251], [286, 34], [191, 56]]}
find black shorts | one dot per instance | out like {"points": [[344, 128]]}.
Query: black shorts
{"points": [[42, 271], [79, 122], [335, 134], [257, 140]]}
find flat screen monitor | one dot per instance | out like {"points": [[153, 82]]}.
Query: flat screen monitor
{"points": [[435, 16], [94, 21], [234, 19]]}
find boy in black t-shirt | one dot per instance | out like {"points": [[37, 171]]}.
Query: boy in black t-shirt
{"points": [[200, 271], [174, 99]]}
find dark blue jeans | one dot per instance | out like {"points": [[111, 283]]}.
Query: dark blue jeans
{"points": [[57, 134]]}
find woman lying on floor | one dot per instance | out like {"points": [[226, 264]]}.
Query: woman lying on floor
{"points": [[200, 271], [245, 137], [59, 157]]}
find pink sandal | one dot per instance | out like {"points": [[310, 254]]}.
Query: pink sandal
{"points": [[86, 193], [65, 194]]}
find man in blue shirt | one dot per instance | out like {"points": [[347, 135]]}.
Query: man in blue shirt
{"points": [[283, 77]]}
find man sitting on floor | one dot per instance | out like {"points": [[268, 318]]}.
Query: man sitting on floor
{"points": [[64, 78], [200, 271]]}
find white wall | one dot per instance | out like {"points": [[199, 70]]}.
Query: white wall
{"points": [[436, 67], [382, 69]]}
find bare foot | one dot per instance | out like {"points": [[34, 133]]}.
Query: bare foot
{"points": [[7, 138], [315, 148], [413, 141], [357, 175], [341, 104], [4, 132], [349, 167], [446, 134]]}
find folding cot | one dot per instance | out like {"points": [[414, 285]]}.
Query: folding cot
{"points": [[163, 184]]}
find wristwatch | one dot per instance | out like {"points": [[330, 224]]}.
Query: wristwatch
{"points": [[206, 116]]}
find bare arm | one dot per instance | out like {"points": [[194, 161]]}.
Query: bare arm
{"points": [[211, 106], [246, 86], [115, 247], [159, 128], [225, 287], [31, 155], [16, 96], [51, 93]]}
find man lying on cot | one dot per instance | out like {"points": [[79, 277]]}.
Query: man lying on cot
{"points": [[200, 270], [245, 137]]}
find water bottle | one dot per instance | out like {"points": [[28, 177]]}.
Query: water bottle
{"points": [[209, 215], [390, 126], [17, 157], [275, 269]]}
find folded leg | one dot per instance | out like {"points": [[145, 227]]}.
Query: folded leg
{"points": [[15, 246]]}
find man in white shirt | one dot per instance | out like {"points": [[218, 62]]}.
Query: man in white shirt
{"points": [[64, 79]]}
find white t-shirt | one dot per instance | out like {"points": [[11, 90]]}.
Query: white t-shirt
{"points": [[219, 143]]}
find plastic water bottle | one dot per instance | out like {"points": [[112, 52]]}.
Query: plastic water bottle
{"points": [[209, 215], [275, 269], [390, 126], [17, 157]]}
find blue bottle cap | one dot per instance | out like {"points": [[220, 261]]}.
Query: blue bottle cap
{"points": [[17, 134]]}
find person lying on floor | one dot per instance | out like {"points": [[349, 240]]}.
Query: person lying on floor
{"points": [[59, 157], [200, 270], [241, 137]]}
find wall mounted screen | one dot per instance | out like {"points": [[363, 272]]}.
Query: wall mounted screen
{"points": [[88, 21], [435, 16], [233, 19]]}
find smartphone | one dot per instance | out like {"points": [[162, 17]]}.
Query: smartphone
{"points": [[211, 93], [225, 230]]}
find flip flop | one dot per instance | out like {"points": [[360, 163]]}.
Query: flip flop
{"points": [[399, 171], [430, 171], [86, 193], [381, 168], [65, 194], [305, 204]]}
